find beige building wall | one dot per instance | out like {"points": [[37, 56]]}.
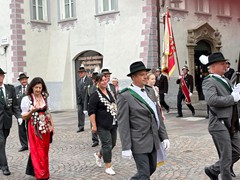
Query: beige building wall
{"points": [[52, 49], [5, 32]]}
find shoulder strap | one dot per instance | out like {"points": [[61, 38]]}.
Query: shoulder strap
{"points": [[138, 97], [223, 83]]}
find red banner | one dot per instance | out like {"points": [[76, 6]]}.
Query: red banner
{"points": [[185, 91], [168, 61]]}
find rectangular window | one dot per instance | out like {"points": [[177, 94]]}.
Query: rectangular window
{"points": [[202, 6], [39, 10], [178, 4], [67, 9], [106, 5], [224, 8]]}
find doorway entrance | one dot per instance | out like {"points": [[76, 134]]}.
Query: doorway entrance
{"points": [[91, 60], [201, 71]]}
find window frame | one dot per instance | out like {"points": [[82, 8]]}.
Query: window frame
{"points": [[176, 5], [62, 11], [205, 6], [45, 11], [111, 9], [224, 8]]}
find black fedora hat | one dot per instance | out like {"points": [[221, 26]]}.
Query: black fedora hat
{"points": [[22, 75], [2, 72], [105, 71], [215, 57], [81, 69], [137, 66]]}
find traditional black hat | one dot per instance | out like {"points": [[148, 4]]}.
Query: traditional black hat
{"points": [[81, 69], [105, 71], [22, 75], [215, 57], [2, 72], [185, 67], [137, 66]]}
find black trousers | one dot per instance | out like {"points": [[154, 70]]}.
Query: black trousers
{"points": [[22, 133], [162, 101], [180, 98], [3, 138], [146, 165]]}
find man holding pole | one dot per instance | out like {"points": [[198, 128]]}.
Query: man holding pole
{"points": [[185, 82]]}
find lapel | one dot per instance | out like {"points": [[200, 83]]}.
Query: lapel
{"points": [[3, 101]]}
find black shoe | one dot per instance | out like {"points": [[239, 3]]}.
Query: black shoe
{"points": [[168, 110], [232, 172], [193, 113], [206, 117], [6, 172], [23, 149], [80, 130], [95, 144], [179, 116], [209, 174]]}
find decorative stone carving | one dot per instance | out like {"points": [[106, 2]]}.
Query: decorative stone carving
{"points": [[107, 17], [39, 26], [67, 24]]}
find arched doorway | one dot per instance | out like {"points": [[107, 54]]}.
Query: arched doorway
{"points": [[89, 59], [201, 71]]}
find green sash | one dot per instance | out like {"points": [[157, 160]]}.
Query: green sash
{"points": [[138, 97], [228, 87]]}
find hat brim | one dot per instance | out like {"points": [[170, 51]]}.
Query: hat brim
{"points": [[23, 78], [107, 73], [137, 70], [210, 63]]}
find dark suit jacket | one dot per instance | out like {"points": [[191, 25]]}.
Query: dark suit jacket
{"points": [[82, 89], [229, 73], [137, 125], [162, 84], [19, 95], [189, 82], [9, 108]]}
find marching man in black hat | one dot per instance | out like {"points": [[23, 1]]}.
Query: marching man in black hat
{"points": [[188, 80], [141, 125], [8, 108], [223, 101], [20, 93]]}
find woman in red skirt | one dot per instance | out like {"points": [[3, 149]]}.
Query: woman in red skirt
{"points": [[40, 125]]}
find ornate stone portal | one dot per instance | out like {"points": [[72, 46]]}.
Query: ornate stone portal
{"points": [[206, 33], [203, 32]]}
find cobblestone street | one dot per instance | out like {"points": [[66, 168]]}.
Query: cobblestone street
{"points": [[71, 154]]}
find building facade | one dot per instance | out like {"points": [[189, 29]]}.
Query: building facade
{"points": [[52, 38]]}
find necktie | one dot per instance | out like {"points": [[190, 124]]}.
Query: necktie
{"points": [[2, 95], [24, 90]]}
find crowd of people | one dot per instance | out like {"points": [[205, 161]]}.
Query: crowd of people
{"points": [[136, 112]]}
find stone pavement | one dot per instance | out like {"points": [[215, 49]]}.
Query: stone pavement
{"points": [[71, 154]]}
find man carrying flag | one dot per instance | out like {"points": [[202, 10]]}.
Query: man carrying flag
{"points": [[168, 62], [185, 82]]}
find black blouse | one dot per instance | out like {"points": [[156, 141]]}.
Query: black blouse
{"points": [[103, 118]]}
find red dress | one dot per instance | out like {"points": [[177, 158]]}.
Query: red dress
{"points": [[39, 141]]}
